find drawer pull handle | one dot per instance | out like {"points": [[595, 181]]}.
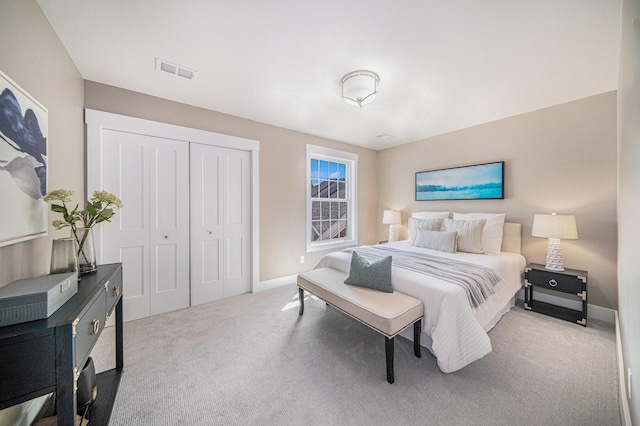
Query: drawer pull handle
{"points": [[553, 283], [116, 291], [106, 286], [96, 326]]}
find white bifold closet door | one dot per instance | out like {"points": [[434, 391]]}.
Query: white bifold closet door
{"points": [[220, 222], [150, 235]]}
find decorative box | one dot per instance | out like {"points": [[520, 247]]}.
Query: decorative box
{"points": [[32, 299]]}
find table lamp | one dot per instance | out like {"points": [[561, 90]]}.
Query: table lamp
{"points": [[555, 227], [392, 218]]}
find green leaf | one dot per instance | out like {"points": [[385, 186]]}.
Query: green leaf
{"points": [[91, 210], [58, 208]]}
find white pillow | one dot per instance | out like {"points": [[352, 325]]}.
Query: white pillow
{"points": [[436, 240], [433, 224], [429, 215], [493, 229], [469, 234]]}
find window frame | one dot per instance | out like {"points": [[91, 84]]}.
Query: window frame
{"points": [[351, 188]]}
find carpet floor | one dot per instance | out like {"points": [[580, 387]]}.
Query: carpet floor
{"points": [[252, 360]]}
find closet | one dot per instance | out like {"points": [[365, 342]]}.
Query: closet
{"points": [[187, 232]]}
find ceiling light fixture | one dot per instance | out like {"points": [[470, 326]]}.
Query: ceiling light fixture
{"points": [[359, 87]]}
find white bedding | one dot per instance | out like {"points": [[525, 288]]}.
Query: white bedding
{"points": [[457, 332]]}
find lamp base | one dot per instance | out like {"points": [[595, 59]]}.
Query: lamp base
{"points": [[555, 261], [393, 233]]}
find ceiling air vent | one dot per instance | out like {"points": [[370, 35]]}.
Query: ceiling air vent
{"points": [[180, 71]]}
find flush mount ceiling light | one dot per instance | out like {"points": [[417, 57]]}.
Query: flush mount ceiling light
{"points": [[359, 87]]}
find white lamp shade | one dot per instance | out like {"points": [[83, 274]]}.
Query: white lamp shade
{"points": [[391, 217], [555, 226], [359, 87]]}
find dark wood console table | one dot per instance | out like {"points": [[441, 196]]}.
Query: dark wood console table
{"points": [[44, 356]]}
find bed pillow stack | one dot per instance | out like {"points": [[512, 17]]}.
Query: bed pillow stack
{"points": [[433, 224], [474, 232], [469, 234], [420, 216], [493, 229]]}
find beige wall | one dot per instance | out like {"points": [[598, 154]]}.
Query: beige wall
{"points": [[629, 198], [33, 57], [560, 159], [36, 60], [282, 172]]}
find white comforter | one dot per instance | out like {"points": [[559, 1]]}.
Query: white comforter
{"points": [[458, 332]]}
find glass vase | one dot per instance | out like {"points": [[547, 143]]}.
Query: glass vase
{"points": [[86, 250], [64, 256]]}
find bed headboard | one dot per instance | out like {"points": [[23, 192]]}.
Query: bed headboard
{"points": [[512, 238]]}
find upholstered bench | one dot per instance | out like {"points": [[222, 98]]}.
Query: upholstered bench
{"points": [[386, 313]]}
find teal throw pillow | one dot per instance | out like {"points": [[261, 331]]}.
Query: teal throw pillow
{"points": [[376, 275]]}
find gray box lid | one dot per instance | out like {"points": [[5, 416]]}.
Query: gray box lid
{"points": [[40, 297]]}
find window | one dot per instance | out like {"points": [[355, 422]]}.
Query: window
{"points": [[331, 198]]}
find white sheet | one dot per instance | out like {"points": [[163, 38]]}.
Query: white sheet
{"points": [[457, 331]]}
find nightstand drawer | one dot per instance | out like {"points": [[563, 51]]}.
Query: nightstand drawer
{"points": [[555, 281]]}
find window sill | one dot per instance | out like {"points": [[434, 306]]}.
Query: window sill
{"points": [[331, 246]]}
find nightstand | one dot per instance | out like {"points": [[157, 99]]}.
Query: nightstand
{"points": [[569, 281]]}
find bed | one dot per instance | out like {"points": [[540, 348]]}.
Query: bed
{"points": [[453, 330]]}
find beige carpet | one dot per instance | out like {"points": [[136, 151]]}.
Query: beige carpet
{"points": [[251, 360]]}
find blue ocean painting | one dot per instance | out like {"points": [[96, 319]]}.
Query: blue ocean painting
{"points": [[482, 181]]}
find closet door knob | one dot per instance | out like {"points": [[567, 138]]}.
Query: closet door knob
{"points": [[166, 236]]}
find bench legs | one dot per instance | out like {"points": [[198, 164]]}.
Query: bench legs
{"points": [[417, 327], [389, 348], [301, 297], [388, 342]]}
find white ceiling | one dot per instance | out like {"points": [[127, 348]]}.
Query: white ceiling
{"points": [[443, 64]]}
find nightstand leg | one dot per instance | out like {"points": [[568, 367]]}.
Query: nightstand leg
{"points": [[528, 295]]}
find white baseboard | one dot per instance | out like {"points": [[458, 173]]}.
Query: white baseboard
{"points": [[593, 311], [625, 414], [274, 283]]}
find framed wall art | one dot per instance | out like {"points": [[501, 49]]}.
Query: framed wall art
{"points": [[23, 164], [477, 182]]}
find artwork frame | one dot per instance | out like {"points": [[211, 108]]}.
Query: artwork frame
{"points": [[474, 182], [24, 148]]}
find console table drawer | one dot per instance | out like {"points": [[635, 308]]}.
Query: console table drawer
{"points": [[88, 329], [113, 288]]}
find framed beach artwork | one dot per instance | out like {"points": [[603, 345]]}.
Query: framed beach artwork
{"points": [[23, 164], [477, 182]]}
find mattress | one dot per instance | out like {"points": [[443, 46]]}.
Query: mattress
{"points": [[456, 332]]}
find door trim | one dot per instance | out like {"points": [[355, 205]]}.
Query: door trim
{"points": [[97, 121]]}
